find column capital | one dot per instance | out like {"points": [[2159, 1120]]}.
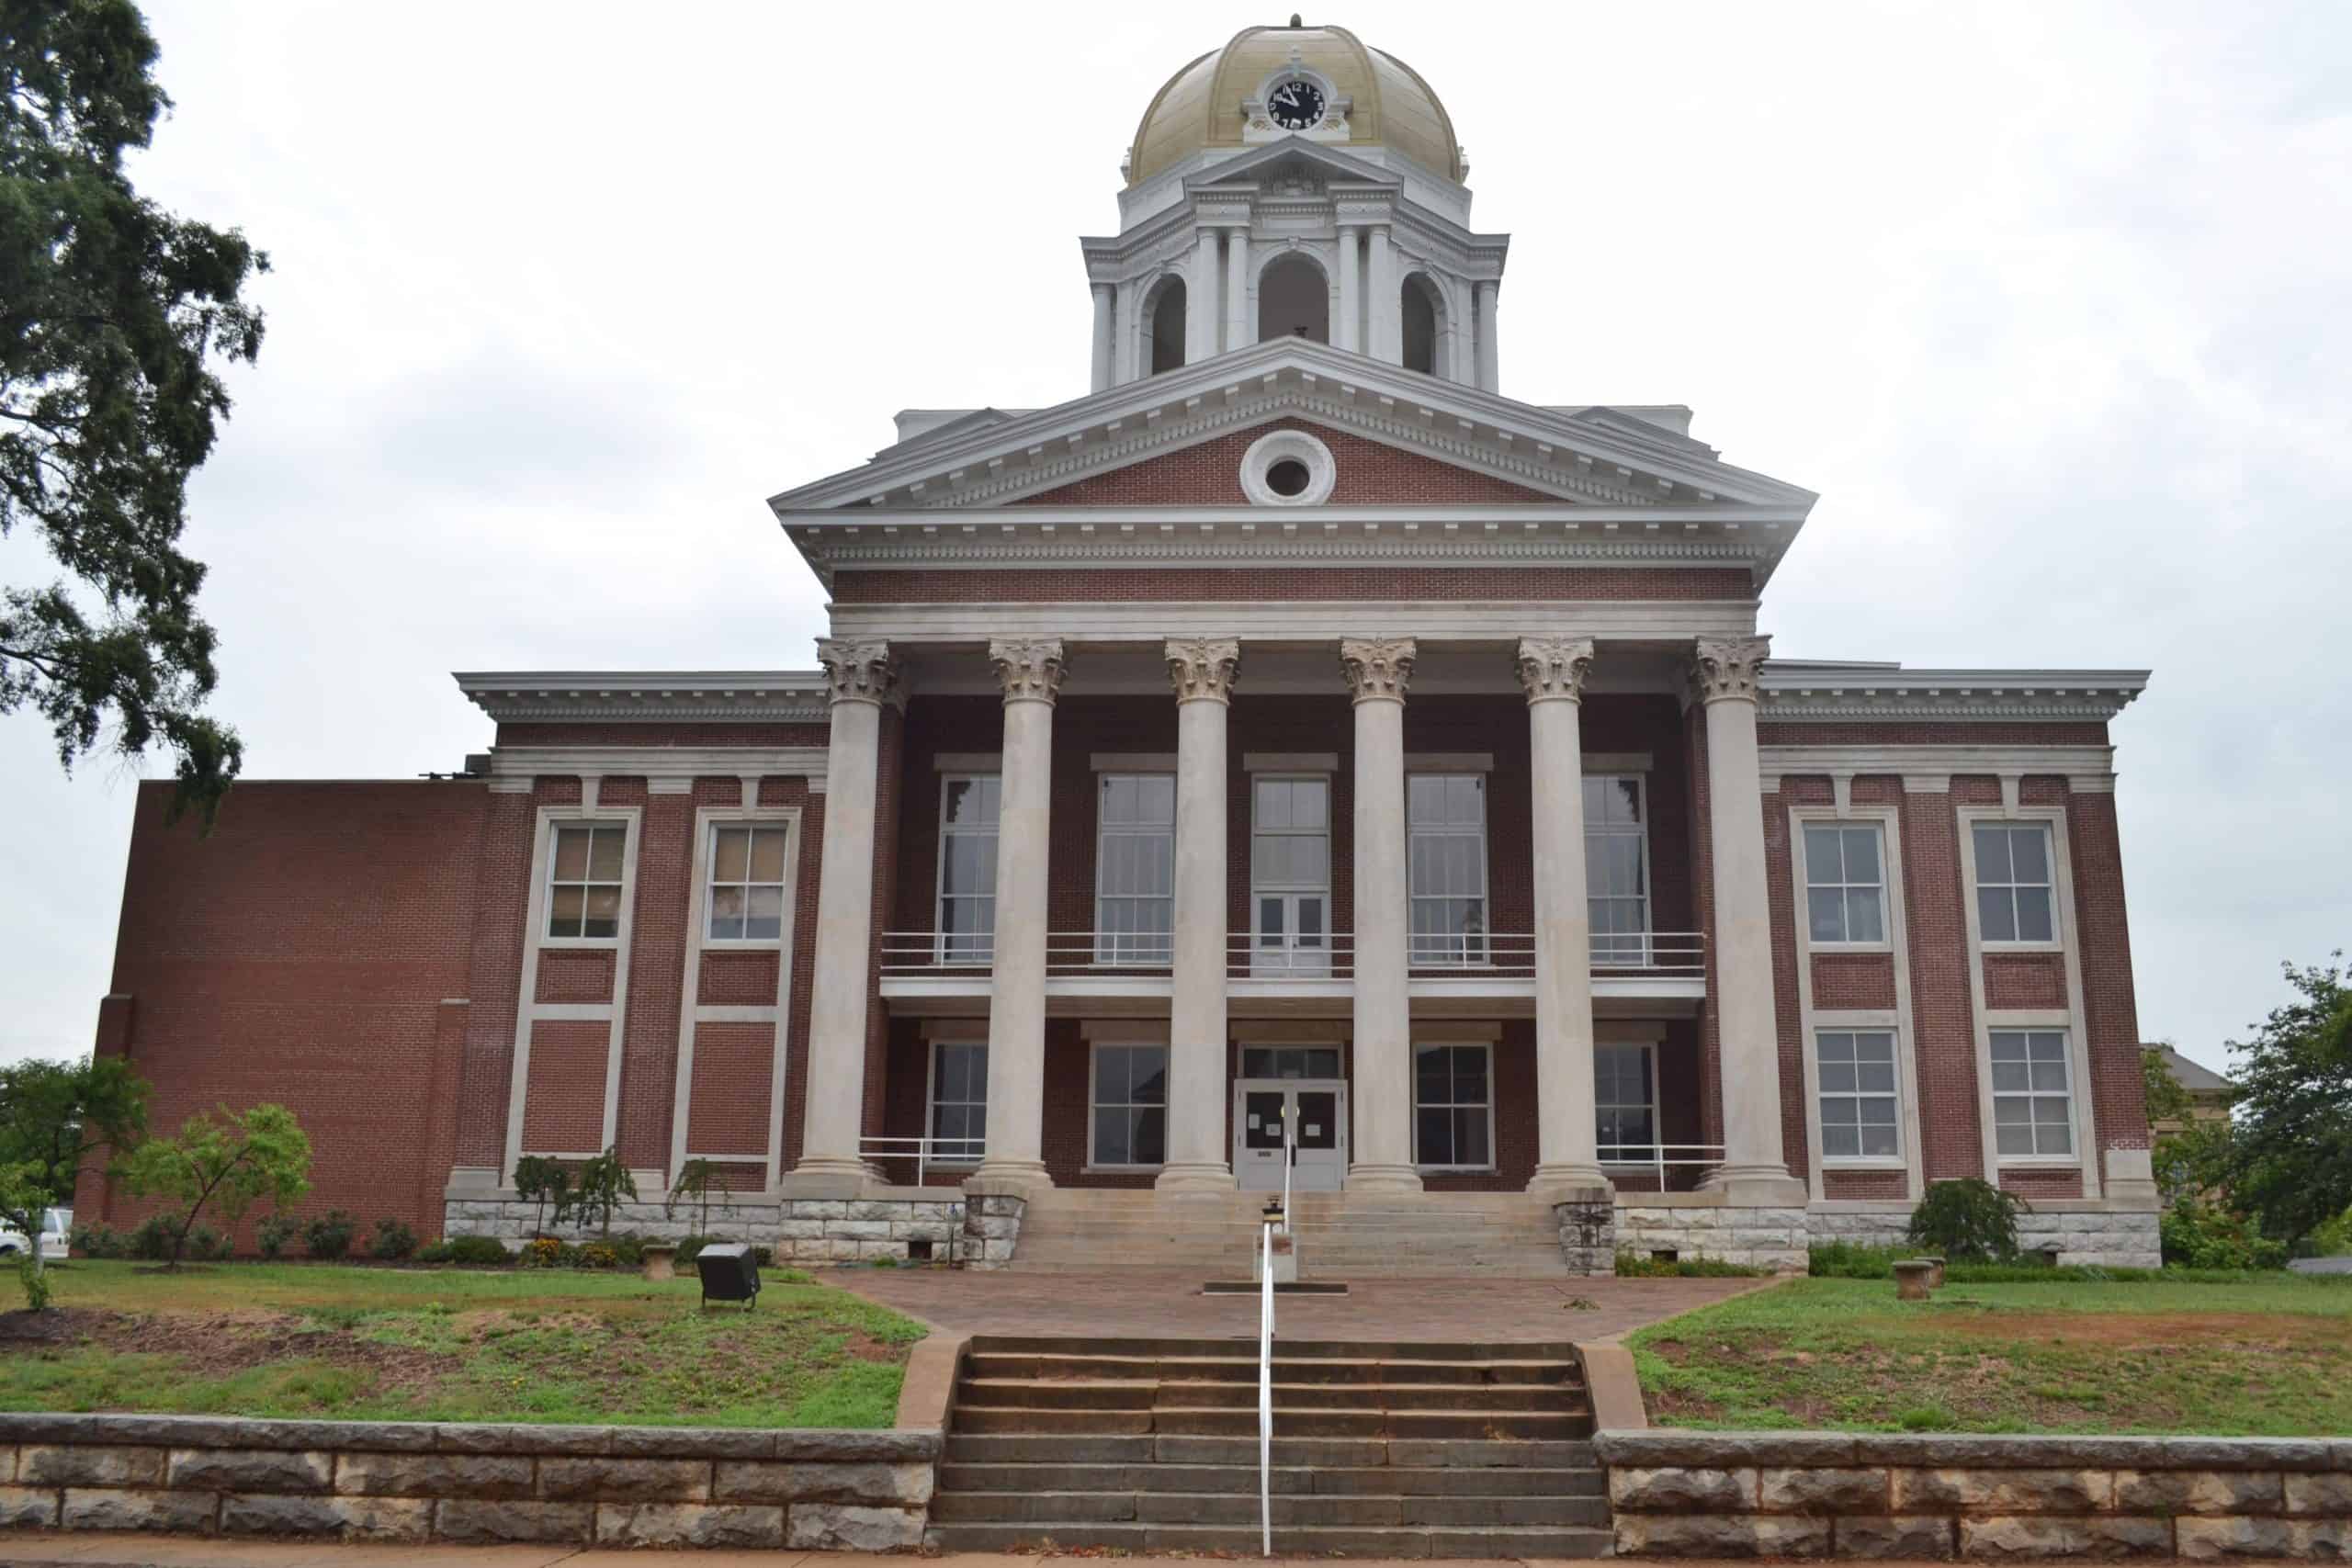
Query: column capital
{"points": [[1029, 668], [861, 671], [1551, 669], [1378, 668], [1724, 669], [1203, 669]]}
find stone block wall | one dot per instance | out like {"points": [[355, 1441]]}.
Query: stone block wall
{"points": [[2087, 1234], [806, 1232], [992, 1229], [465, 1483], [1758, 1238], [1588, 1234], [1902, 1497]]}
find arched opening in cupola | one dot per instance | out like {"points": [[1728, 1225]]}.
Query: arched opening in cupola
{"points": [[1166, 307], [1293, 300], [1424, 313]]}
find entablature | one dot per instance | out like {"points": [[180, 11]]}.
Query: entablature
{"points": [[655, 696]]}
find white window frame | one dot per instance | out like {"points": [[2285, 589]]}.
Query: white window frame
{"points": [[1415, 958], [939, 894], [1649, 1050], [705, 865], [1649, 887], [932, 1048], [1486, 1048], [1806, 885], [2050, 843], [549, 833], [1123, 950], [1095, 1101], [1900, 1158], [1996, 1094], [1286, 959], [529, 1009], [2070, 1017]]}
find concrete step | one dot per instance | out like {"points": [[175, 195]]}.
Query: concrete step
{"points": [[1065, 1394], [1491, 1426], [1322, 1453], [1238, 1507], [1244, 1347], [1492, 1480], [1289, 1368], [1300, 1540]]}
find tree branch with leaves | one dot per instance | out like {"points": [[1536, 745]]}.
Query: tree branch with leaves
{"points": [[228, 1164]]}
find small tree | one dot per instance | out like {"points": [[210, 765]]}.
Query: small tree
{"points": [[603, 1182], [56, 1119], [1968, 1218], [697, 1179], [2290, 1154], [541, 1180], [225, 1164]]}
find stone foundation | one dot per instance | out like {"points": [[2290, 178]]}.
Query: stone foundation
{"points": [[2086, 1232], [1699, 1227], [808, 1232], [1588, 1234], [1898, 1496], [992, 1228], [471, 1484]]}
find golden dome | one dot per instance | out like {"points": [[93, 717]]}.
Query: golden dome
{"points": [[1200, 106]]}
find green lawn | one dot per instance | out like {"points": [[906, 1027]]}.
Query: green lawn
{"points": [[2267, 1356], [449, 1344]]}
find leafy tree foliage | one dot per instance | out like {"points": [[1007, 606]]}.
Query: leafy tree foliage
{"points": [[227, 1163], [2190, 1162], [113, 315], [2290, 1153], [1968, 1219], [603, 1182], [56, 1118]]}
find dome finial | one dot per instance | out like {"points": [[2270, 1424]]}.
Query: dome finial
{"points": [[1295, 20]]}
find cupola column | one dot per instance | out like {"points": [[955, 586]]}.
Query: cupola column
{"points": [[1238, 324], [1552, 672], [1201, 321], [1344, 330], [863, 681], [1755, 1170], [1382, 1158], [1489, 293], [1202, 670], [1030, 670], [1384, 318], [1106, 315]]}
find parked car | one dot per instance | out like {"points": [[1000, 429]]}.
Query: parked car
{"points": [[56, 1225]]}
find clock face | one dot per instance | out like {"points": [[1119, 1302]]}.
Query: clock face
{"points": [[1296, 104]]}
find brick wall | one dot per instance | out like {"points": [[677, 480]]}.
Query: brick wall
{"points": [[1367, 473], [1254, 583]]}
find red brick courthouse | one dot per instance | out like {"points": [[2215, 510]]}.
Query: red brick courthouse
{"points": [[1291, 726]]}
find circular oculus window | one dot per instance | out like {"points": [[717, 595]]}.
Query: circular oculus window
{"points": [[1287, 468]]}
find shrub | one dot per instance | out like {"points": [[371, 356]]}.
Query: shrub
{"points": [[691, 1249], [96, 1241], [1852, 1261], [394, 1240], [155, 1240], [763, 1256], [596, 1255], [545, 1253], [628, 1248], [1634, 1266], [478, 1250], [273, 1232], [330, 1234], [2198, 1234], [1970, 1218], [208, 1246]]}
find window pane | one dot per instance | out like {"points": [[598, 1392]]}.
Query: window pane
{"points": [[767, 855], [1309, 803], [1878, 1139], [2010, 1111], [1470, 1137], [2009, 1077], [2007, 1044], [763, 914], [1863, 922], [564, 911], [1825, 914], [605, 855], [1149, 1076], [1157, 797], [601, 916], [1596, 799], [731, 854], [2011, 1140], [1862, 854], [2033, 914], [1839, 1142], [1149, 1135], [1824, 865], [2030, 854], [971, 803], [1875, 1078], [1837, 1078], [571, 853], [1436, 1129], [1992, 852], [1839, 1110], [726, 913], [1996, 916], [2050, 1076], [1425, 799], [2058, 1140], [1625, 800], [1110, 1146]]}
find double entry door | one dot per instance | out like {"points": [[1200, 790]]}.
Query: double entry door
{"points": [[1317, 1109]]}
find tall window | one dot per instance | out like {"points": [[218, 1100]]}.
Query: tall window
{"points": [[1845, 883], [1453, 1107], [1290, 874], [1130, 1104], [968, 810], [1135, 868], [1445, 816], [2032, 1099], [746, 902], [1857, 1095], [1617, 868], [584, 879], [2014, 900], [959, 1099], [1625, 1095]]}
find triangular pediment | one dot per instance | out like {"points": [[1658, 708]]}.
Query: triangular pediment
{"points": [[1292, 152], [1584, 457]]}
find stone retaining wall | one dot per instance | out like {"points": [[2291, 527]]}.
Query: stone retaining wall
{"points": [[803, 1231], [1830, 1494], [2086, 1232], [1754, 1237], [423, 1482]]}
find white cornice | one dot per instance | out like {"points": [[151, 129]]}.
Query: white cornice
{"points": [[659, 765], [1815, 692], [759, 697], [1301, 622], [2085, 767]]}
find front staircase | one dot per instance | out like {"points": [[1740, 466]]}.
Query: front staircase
{"points": [[1341, 1236], [1386, 1450]]}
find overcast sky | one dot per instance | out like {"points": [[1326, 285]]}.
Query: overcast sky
{"points": [[2048, 303]]}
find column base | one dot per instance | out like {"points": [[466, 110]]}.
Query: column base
{"points": [[1009, 1178], [1203, 1176], [1383, 1179], [1756, 1186], [1567, 1182], [829, 1177]]}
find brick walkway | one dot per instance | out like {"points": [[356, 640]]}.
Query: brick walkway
{"points": [[1145, 1303]]}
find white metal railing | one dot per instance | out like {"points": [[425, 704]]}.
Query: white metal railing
{"points": [[1658, 1158], [924, 1151], [1266, 1342], [1328, 956]]}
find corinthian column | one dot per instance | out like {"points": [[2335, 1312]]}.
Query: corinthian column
{"points": [[1382, 1142], [1552, 669], [1722, 677], [1030, 670], [1202, 671], [863, 680]]}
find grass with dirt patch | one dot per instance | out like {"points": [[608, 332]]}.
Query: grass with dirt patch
{"points": [[452, 1345], [2260, 1357]]}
